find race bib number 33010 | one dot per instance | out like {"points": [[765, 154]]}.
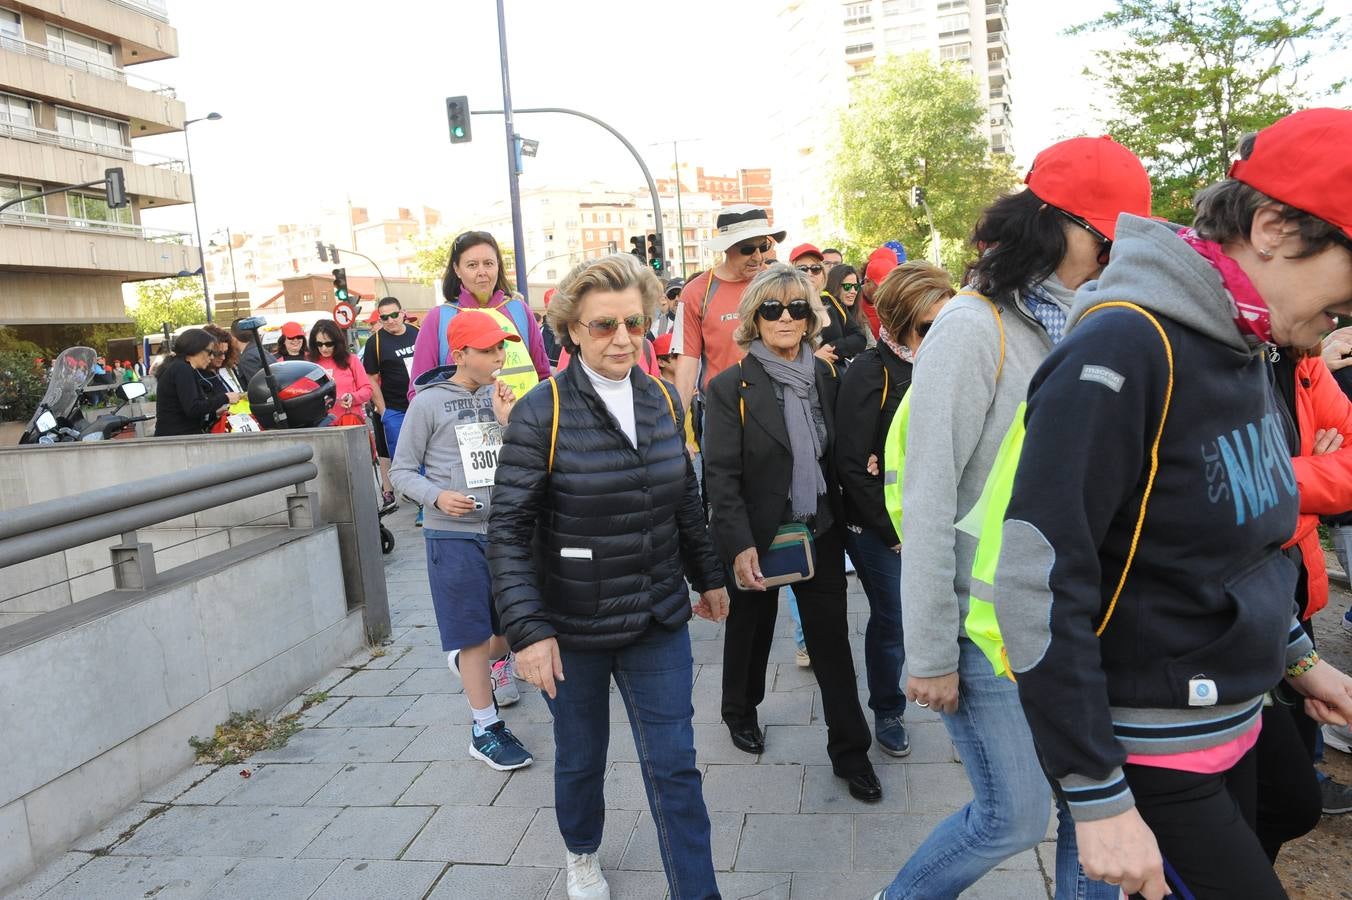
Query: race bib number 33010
{"points": [[480, 443]]}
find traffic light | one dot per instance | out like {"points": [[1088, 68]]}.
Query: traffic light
{"points": [[655, 257], [457, 116], [333, 254], [115, 187], [917, 195], [322, 251], [636, 248], [340, 292]]}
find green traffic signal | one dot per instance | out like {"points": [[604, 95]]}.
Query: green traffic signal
{"points": [[656, 264], [458, 131]]}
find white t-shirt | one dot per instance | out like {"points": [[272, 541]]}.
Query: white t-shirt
{"points": [[618, 396]]}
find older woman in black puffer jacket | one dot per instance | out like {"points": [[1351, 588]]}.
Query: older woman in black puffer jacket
{"points": [[596, 525]]}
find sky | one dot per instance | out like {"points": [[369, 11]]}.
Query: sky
{"points": [[323, 102]]}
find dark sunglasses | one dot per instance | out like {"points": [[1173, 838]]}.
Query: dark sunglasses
{"points": [[604, 328], [667, 357], [815, 269], [923, 328], [846, 286], [325, 344], [389, 317], [773, 310], [219, 354], [1105, 242], [1342, 239], [748, 249]]}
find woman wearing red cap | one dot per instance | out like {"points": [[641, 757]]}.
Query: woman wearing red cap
{"points": [[970, 377], [292, 343], [1145, 644]]}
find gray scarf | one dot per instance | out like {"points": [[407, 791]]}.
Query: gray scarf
{"points": [[799, 380]]}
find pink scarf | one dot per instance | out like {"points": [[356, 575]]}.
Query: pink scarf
{"points": [[900, 350], [1249, 309]]}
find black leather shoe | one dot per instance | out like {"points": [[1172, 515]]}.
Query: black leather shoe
{"points": [[865, 786], [747, 738]]}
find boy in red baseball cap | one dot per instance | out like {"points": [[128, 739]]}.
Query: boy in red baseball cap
{"points": [[446, 459]]}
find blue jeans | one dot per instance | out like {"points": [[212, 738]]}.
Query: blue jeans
{"points": [[655, 677], [392, 420], [1009, 811], [879, 571], [797, 618]]}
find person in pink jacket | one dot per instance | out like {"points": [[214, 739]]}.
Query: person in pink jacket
{"points": [[352, 388], [475, 279]]}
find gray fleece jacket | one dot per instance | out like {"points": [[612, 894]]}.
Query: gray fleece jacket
{"points": [[428, 440], [960, 412]]}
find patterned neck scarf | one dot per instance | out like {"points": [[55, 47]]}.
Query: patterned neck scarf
{"points": [[900, 350], [1250, 310], [1049, 302]]}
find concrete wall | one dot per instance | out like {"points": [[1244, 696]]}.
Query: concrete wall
{"points": [[347, 499], [100, 698]]}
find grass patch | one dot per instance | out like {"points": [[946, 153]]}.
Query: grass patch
{"points": [[314, 699], [244, 734]]}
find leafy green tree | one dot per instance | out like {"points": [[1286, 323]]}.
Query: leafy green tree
{"points": [[177, 301], [432, 254], [22, 383], [1196, 75], [910, 122]]}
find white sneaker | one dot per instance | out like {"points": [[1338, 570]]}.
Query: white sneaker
{"points": [[801, 658], [585, 881], [453, 662], [504, 688], [1339, 737]]}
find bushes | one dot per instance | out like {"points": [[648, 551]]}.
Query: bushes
{"points": [[21, 385]]}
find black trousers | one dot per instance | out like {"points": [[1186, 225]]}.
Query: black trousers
{"points": [[1205, 828], [749, 630], [1289, 802]]}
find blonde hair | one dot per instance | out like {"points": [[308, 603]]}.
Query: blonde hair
{"points": [[616, 272], [906, 293], [778, 282]]}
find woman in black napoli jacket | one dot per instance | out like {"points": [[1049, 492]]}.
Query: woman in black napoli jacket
{"points": [[771, 466], [596, 523]]}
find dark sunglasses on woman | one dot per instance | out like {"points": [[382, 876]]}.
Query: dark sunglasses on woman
{"points": [[773, 310], [848, 286], [325, 344], [923, 329], [813, 270], [604, 328], [1105, 242], [749, 249]]}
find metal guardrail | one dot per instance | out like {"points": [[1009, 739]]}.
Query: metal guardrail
{"points": [[61, 524], [132, 154], [17, 216], [154, 8], [80, 64]]}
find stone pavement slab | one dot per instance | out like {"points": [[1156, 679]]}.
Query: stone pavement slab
{"points": [[377, 796]]}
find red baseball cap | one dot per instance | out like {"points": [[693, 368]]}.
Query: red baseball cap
{"points": [[1096, 179], [292, 330], [804, 250], [662, 346], [880, 262], [549, 295], [471, 328], [1303, 160]]}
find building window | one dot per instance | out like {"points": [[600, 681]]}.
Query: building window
{"points": [[9, 27], [16, 110], [86, 127], [587, 236], [901, 7], [94, 210], [859, 48], [858, 14], [955, 24], [956, 52], [12, 190], [80, 46], [906, 34]]}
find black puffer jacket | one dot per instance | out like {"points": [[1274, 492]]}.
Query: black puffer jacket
{"points": [[597, 550]]}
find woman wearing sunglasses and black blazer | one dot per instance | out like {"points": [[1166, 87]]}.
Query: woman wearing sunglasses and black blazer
{"points": [[768, 430]]}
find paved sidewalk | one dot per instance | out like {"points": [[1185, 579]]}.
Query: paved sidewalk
{"points": [[377, 797]]}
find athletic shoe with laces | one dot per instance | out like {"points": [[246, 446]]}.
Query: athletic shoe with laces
{"points": [[498, 747], [1337, 798], [453, 662], [1347, 620], [1339, 737], [801, 658], [418, 523], [891, 735], [504, 688], [585, 881]]}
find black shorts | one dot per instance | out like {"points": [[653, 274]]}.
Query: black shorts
{"points": [[382, 448]]}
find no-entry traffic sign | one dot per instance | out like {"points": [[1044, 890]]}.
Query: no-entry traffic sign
{"points": [[344, 314]]}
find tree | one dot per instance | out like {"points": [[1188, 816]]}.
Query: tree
{"points": [[1196, 75], [177, 301], [432, 254], [912, 122]]}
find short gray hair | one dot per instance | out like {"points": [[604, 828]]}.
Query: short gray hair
{"points": [[778, 282], [616, 272]]}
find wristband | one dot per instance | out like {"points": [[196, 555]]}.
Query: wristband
{"points": [[1302, 665]]}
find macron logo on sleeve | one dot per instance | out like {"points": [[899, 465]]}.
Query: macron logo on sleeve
{"points": [[1105, 376]]}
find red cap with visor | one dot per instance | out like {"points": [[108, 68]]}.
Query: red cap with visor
{"points": [[1305, 160], [471, 328], [1096, 179]]}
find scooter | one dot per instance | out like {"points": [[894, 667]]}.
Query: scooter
{"points": [[60, 417]]}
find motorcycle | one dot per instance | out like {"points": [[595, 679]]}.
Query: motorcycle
{"points": [[60, 417]]}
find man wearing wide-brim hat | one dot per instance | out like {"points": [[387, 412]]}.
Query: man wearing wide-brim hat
{"points": [[707, 316]]}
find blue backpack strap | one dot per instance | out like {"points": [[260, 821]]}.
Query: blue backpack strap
{"points": [[518, 309], [448, 311]]}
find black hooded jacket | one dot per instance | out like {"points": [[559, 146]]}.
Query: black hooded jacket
{"points": [[596, 550]]}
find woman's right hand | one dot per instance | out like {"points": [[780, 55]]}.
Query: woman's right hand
{"points": [[453, 503], [939, 694], [747, 569], [1122, 850], [233, 397], [541, 665], [826, 352]]}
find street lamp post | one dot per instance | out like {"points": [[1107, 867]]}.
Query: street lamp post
{"points": [[230, 247], [197, 222]]}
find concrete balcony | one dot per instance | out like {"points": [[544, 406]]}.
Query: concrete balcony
{"points": [[139, 27], [42, 155], [32, 70], [34, 242]]}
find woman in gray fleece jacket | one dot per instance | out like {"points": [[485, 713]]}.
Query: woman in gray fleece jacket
{"points": [[970, 376]]}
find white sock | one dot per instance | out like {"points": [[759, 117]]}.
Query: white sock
{"points": [[484, 718]]}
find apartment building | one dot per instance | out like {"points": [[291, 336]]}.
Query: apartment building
{"points": [[71, 106], [835, 41]]}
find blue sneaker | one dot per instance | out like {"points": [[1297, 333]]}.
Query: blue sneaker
{"points": [[891, 734], [418, 521], [499, 748], [1347, 620]]}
